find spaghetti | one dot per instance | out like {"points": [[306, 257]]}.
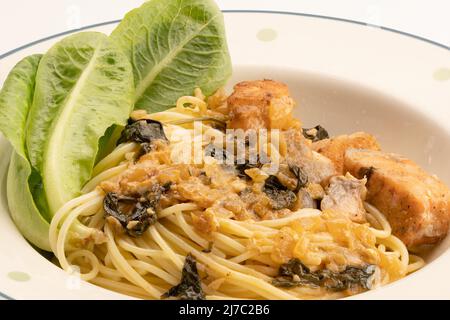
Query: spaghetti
{"points": [[238, 256]]}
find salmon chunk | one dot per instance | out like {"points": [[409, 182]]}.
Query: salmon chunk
{"points": [[334, 148], [346, 195], [416, 204], [260, 104]]}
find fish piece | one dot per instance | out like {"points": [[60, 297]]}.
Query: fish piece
{"points": [[334, 148], [261, 104], [416, 204]]}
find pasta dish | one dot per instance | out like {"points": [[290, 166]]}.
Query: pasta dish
{"points": [[133, 168], [312, 229]]}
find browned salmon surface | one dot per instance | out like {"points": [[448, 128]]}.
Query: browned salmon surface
{"points": [[334, 148], [416, 203], [261, 104]]}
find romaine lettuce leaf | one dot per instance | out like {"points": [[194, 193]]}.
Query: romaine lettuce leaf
{"points": [[55, 109], [84, 84], [174, 47], [24, 213], [16, 97]]}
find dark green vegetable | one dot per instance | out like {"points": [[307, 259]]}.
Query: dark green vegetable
{"points": [[142, 131], [293, 268], [272, 182], [190, 287], [295, 273], [142, 214], [350, 277], [366, 172], [140, 211], [281, 197], [302, 177], [316, 134]]}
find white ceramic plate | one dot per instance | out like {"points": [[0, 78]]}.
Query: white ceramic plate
{"points": [[345, 75]]}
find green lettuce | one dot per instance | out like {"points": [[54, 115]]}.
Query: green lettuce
{"points": [[84, 85], [62, 112], [16, 98], [174, 46], [28, 219]]}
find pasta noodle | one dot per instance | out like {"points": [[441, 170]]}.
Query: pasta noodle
{"points": [[245, 254]]}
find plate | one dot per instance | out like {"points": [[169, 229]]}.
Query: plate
{"points": [[345, 75]]}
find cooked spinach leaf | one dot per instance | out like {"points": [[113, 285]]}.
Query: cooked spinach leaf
{"points": [[295, 273], [272, 182], [135, 222], [296, 268], [190, 287], [350, 277], [143, 131], [135, 213], [174, 47], [316, 134], [281, 197]]}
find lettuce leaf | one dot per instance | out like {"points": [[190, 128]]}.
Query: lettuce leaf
{"points": [[174, 46], [28, 219], [16, 98], [84, 85], [56, 109]]}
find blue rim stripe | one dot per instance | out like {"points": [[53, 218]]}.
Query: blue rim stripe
{"points": [[8, 53], [4, 296], [366, 24]]}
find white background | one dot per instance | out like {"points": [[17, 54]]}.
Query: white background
{"points": [[23, 21]]}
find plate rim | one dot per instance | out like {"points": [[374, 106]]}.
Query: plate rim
{"points": [[302, 14]]}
